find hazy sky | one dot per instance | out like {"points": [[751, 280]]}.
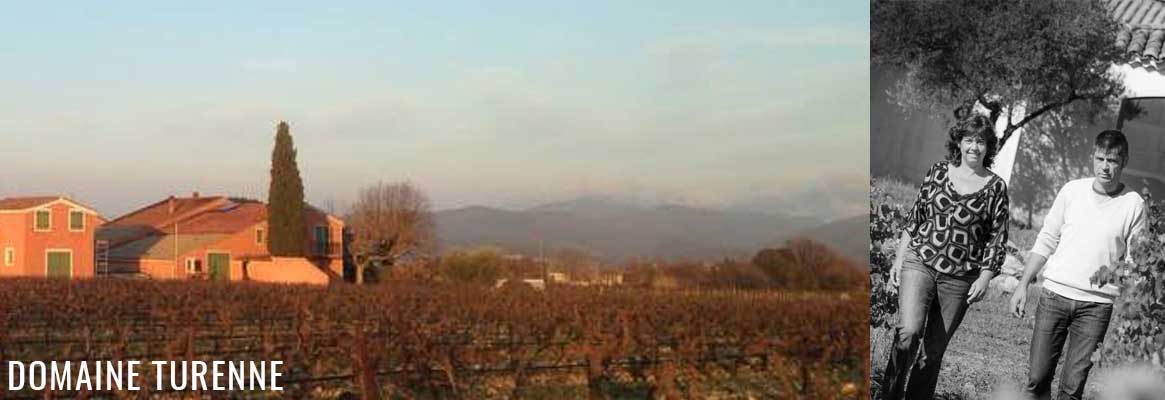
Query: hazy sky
{"points": [[120, 104]]}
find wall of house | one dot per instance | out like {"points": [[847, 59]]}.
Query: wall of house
{"points": [[282, 270], [334, 259], [31, 255], [159, 269], [335, 231], [13, 231], [242, 245]]}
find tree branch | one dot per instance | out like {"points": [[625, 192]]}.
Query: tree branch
{"points": [[1011, 128], [995, 107]]}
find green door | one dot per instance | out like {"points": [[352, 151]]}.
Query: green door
{"points": [[60, 264], [218, 266]]}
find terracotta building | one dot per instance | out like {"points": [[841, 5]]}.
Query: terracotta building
{"points": [[48, 236], [217, 238]]}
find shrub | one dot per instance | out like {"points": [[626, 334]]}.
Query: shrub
{"points": [[480, 266], [1137, 331], [888, 208]]}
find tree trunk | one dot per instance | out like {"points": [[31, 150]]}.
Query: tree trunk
{"points": [[365, 366], [359, 273], [596, 375]]}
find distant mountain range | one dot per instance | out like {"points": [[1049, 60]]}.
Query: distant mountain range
{"points": [[849, 236], [614, 231]]}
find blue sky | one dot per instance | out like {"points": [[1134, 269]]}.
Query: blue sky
{"points": [[512, 104]]}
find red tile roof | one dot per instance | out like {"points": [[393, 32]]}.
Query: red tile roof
{"points": [[158, 215], [20, 203], [24, 203], [193, 216], [1144, 33], [232, 217]]}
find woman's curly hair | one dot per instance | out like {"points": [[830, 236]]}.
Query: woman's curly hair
{"points": [[971, 125]]}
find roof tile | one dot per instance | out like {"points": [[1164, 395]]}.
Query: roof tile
{"points": [[159, 215], [1144, 37], [20, 203], [229, 218]]}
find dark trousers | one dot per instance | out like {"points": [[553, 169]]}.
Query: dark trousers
{"points": [[931, 305], [1082, 324]]}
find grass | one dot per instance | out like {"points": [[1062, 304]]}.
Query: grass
{"points": [[987, 356]]}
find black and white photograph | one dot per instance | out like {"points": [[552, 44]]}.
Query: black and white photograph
{"points": [[1017, 163]]}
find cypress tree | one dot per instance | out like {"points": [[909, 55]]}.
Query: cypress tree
{"points": [[286, 228]]}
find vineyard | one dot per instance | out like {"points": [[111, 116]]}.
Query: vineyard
{"points": [[415, 341]]}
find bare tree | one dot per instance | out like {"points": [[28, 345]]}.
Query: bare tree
{"points": [[829, 270], [387, 221]]}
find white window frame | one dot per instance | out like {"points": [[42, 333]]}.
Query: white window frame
{"points": [[35, 227], [9, 256], [75, 210], [192, 262]]}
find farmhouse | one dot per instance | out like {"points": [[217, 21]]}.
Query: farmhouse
{"points": [[216, 238], [49, 236]]}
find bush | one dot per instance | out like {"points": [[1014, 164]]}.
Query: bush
{"points": [[1137, 331], [889, 205], [479, 266]]}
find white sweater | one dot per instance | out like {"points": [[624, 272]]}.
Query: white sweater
{"points": [[1083, 232]]}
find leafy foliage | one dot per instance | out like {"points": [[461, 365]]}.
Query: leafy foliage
{"points": [[806, 264], [1019, 59], [887, 220], [1139, 312], [287, 232], [479, 266], [802, 264]]}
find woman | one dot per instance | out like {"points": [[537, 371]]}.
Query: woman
{"points": [[953, 244]]}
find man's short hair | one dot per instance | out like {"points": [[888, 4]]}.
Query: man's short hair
{"points": [[1114, 140]]}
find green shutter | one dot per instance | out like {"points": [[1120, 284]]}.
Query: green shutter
{"points": [[76, 220], [60, 264], [218, 266], [43, 220]]}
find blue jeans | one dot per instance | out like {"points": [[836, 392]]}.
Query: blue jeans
{"points": [[1083, 324], [931, 305]]}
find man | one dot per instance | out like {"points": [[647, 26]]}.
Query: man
{"points": [[1090, 226]]}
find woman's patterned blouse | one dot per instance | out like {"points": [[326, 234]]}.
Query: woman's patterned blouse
{"points": [[959, 234]]}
